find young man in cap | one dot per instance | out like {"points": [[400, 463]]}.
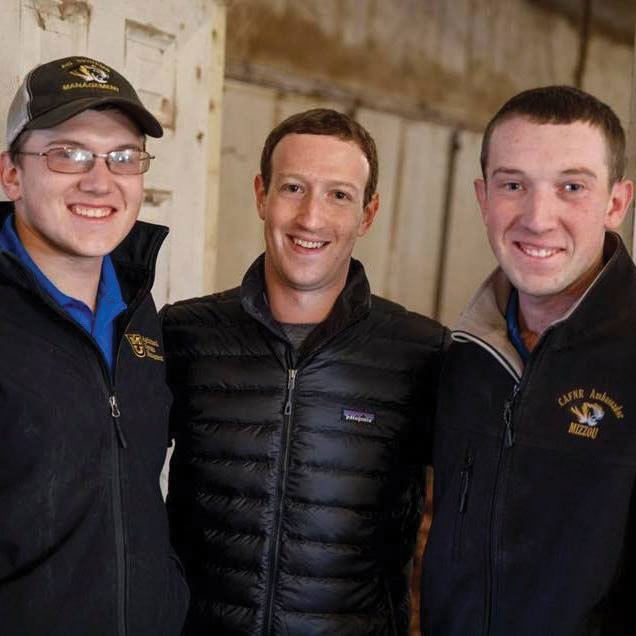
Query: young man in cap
{"points": [[302, 405], [83, 408], [535, 450]]}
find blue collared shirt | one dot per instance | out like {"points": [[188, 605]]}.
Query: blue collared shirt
{"points": [[512, 322], [110, 302]]}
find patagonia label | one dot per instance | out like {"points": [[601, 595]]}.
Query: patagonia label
{"points": [[362, 417]]}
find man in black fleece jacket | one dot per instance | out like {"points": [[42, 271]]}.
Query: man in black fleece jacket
{"points": [[84, 547], [535, 447]]}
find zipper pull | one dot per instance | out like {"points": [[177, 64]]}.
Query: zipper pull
{"points": [[465, 477], [291, 383], [509, 434], [114, 407], [116, 413]]}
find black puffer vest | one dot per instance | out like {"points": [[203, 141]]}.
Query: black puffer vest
{"points": [[295, 487]]}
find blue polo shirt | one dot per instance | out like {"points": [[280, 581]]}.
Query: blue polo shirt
{"points": [[110, 303], [512, 322]]}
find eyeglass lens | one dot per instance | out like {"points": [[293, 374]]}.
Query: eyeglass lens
{"points": [[73, 160]]}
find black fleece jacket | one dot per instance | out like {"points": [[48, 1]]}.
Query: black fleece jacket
{"points": [[533, 525], [84, 544]]}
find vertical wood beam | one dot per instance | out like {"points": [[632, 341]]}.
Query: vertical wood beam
{"points": [[216, 75]]}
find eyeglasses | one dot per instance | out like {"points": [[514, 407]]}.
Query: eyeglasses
{"points": [[78, 160]]}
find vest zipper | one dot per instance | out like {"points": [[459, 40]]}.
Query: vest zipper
{"points": [[291, 383], [282, 487], [292, 373]]}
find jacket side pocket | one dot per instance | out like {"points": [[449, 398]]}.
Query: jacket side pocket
{"points": [[465, 478]]}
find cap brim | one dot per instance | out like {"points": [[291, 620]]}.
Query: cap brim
{"points": [[142, 117]]}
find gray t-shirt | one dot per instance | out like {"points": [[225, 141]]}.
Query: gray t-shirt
{"points": [[297, 332]]}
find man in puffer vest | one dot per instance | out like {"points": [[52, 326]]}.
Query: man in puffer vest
{"points": [[84, 540], [535, 451], [301, 413]]}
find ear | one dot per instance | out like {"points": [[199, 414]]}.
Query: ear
{"points": [[260, 194], [620, 197], [368, 214], [481, 192], [10, 177]]}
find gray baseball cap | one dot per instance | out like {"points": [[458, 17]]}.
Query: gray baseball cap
{"points": [[56, 91]]}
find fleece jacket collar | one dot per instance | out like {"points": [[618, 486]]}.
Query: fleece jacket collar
{"points": [[484, 322]]}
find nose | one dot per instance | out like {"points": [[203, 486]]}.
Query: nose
{"points": [[309, 214], [98, 180], [539, 213]]}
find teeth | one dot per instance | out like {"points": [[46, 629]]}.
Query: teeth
{"points": [[311, 245], [94, 213], [538, 252]]}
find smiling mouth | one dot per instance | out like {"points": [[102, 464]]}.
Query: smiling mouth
{"points": [[308, 245], [537, 252], [91, 212]]}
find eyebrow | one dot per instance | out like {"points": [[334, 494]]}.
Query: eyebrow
{"points": [[566, 173], [332, 183], [576, 171]]}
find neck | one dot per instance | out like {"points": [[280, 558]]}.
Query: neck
{"points": [[76, 277], [537, 313], [299, 307], [293, 306]]}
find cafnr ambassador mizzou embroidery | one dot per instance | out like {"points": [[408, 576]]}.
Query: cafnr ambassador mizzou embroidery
{"points": [[588, 410]]}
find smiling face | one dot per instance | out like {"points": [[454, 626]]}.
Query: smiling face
{"points": [[74, 218], [546, 203], [313, 212]]}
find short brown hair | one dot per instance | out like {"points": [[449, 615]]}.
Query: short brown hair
{"points": [[564, 105], [323, 121]]}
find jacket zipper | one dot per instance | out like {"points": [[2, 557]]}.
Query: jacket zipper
{"points": [[509, 431], [118, 444], [118, 515], [278, 521], [508, 441]]}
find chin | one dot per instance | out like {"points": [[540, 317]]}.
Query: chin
{"points": [[538, 289], [304, 285]]}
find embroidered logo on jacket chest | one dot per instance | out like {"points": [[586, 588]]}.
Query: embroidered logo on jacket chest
{"points": [[587, 408], [360, 417], [144, 347]]}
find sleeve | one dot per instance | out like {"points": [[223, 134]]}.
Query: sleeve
{"points": [[430, 396]]}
